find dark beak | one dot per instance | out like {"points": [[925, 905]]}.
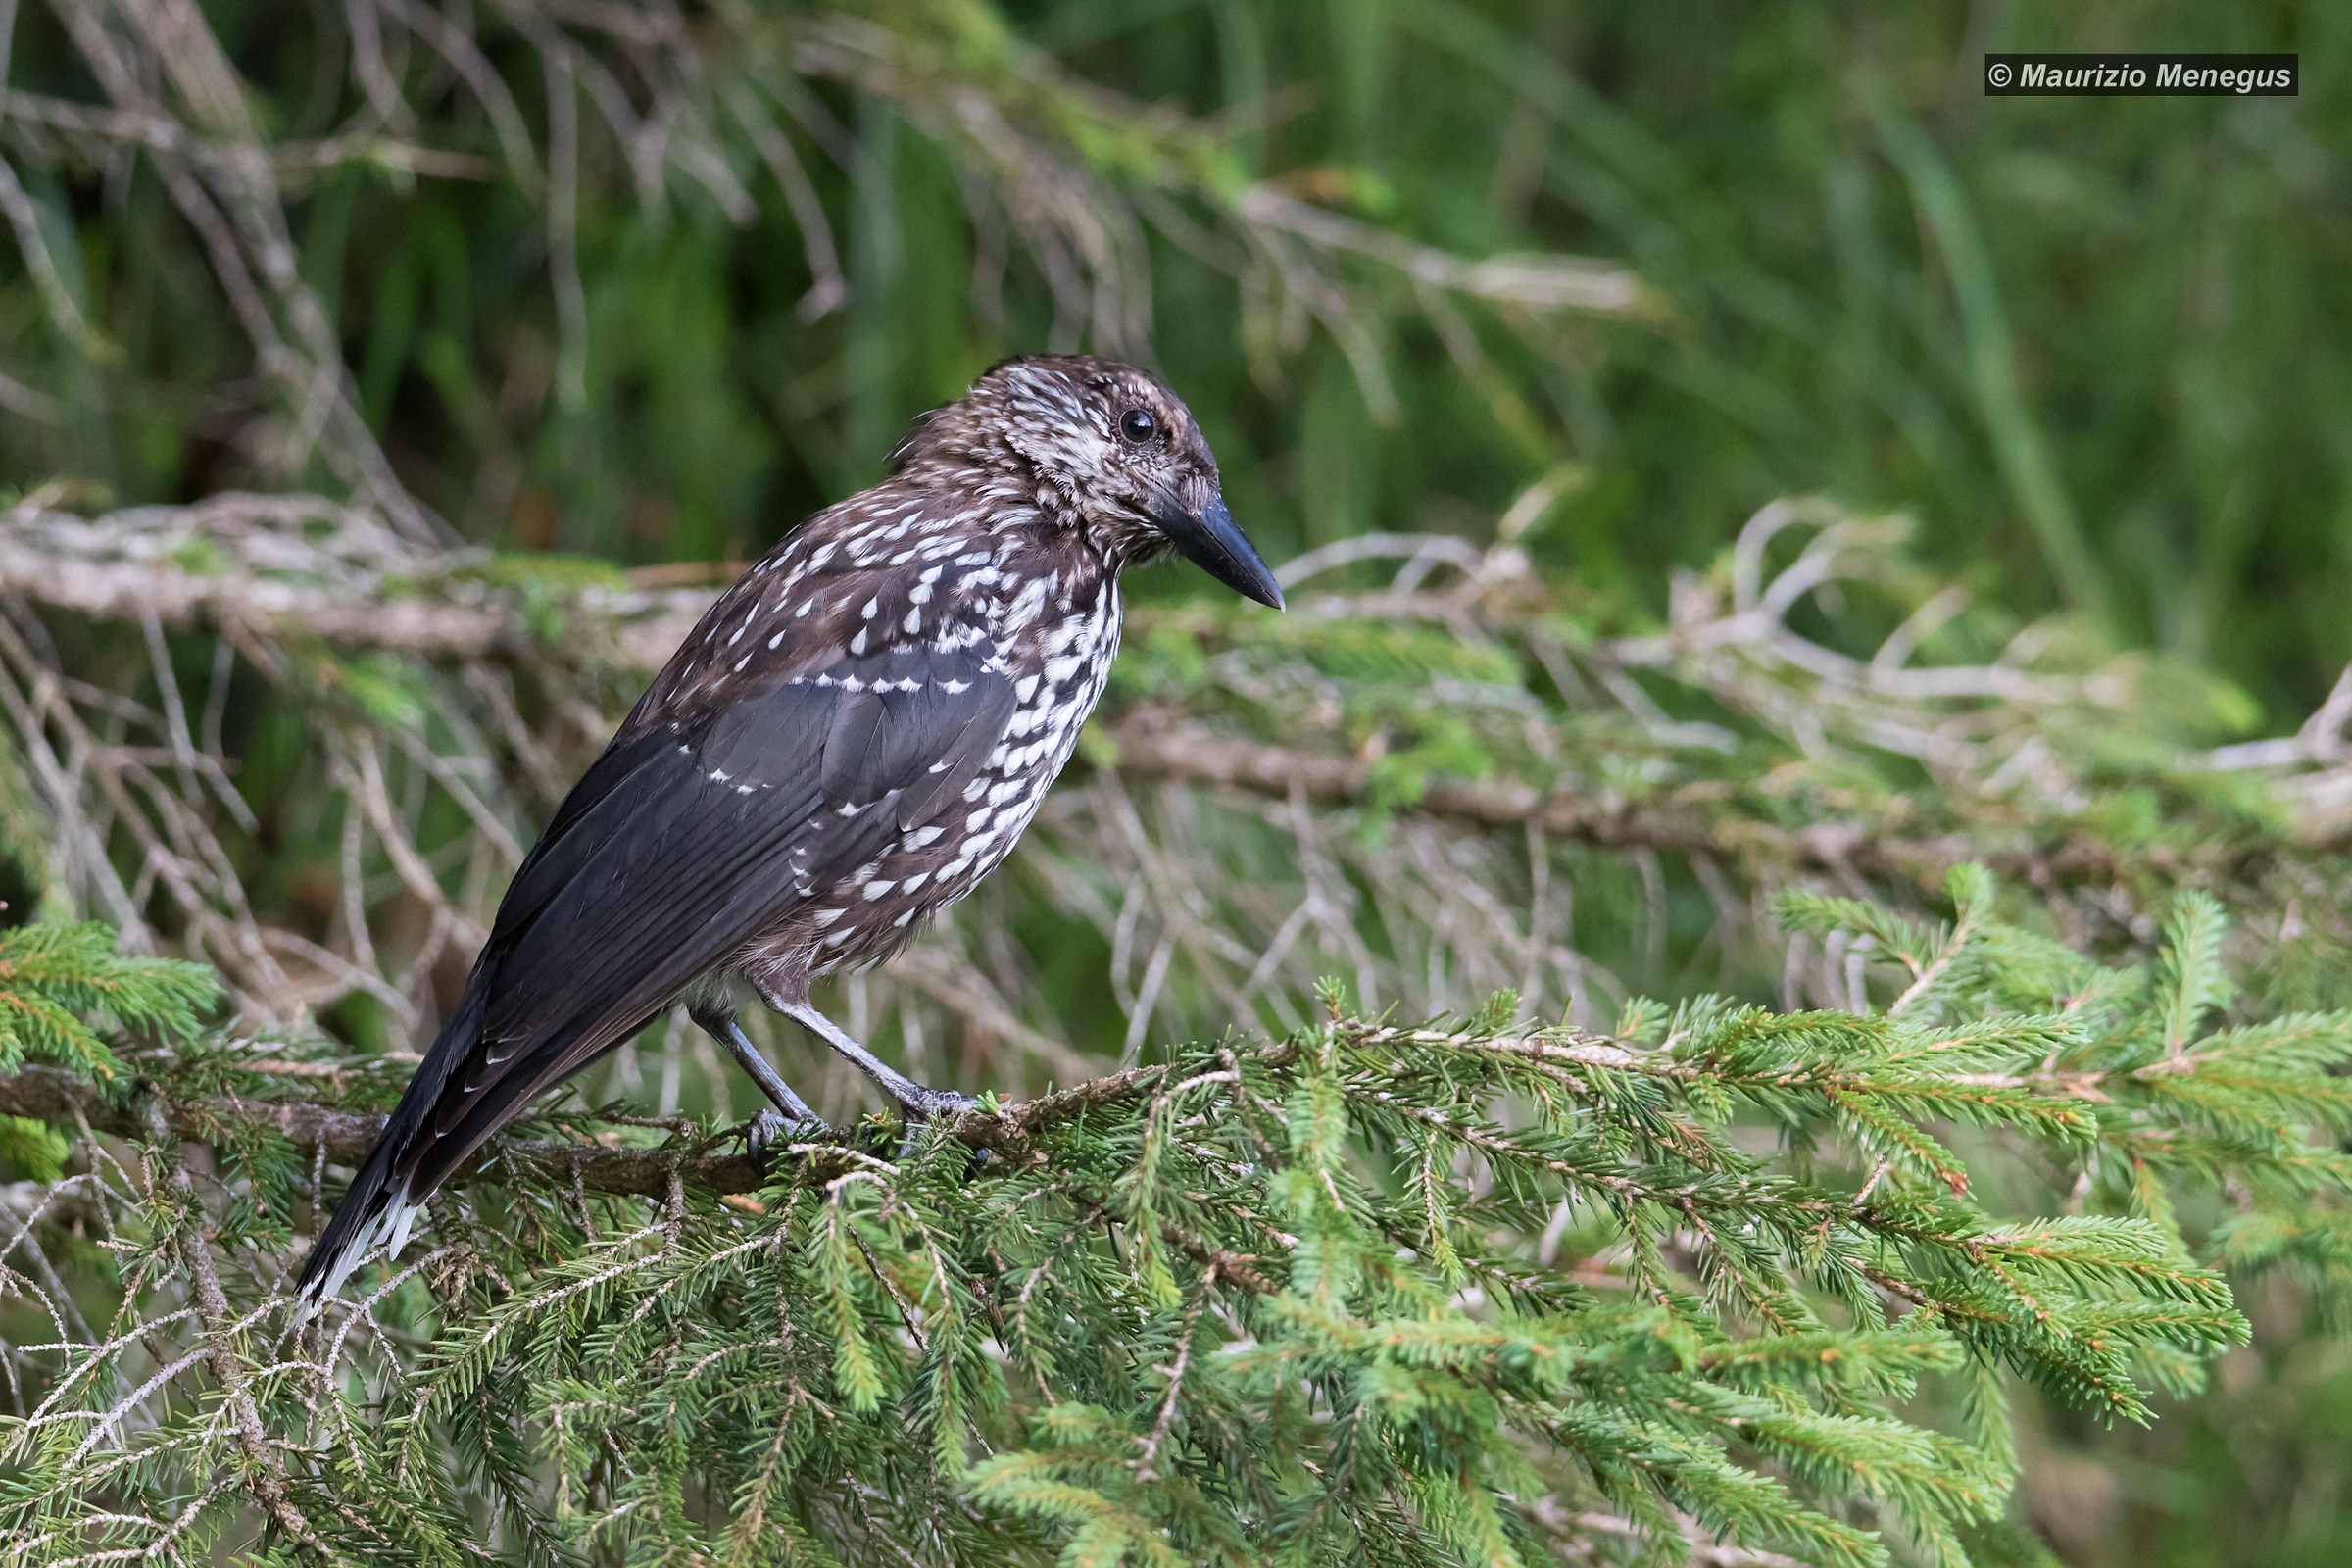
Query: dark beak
{"points": [[1209, 539]]}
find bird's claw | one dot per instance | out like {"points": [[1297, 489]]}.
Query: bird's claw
{"points": [[926, 1105], [769, 1128]]}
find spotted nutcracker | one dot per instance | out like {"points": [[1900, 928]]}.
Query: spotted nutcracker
{"points": [[853, 737]]}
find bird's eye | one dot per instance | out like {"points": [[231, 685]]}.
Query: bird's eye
{"points": [[1138, 426]]}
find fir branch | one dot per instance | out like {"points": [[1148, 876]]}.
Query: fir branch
{"points": [[1211, 1327]]}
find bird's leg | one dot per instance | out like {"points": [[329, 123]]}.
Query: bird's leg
{"points": [[919, 1101], [791, 1110]]}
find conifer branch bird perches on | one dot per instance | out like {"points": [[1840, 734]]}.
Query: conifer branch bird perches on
{"points": [[853, 737]]}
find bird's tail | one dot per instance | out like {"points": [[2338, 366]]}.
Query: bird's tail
{"points": [[376, 1202], [382, 1200]]}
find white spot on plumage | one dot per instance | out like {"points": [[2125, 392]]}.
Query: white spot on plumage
{"points": [[1027, 606], [875, 890]]}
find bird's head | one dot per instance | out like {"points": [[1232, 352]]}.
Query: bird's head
{"points": [[1118, 449]]}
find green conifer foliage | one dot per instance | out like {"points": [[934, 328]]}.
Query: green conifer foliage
{"points": [[59, 983], [1466, 1291], [57, 980]]}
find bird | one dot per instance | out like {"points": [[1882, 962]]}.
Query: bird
{"points": [[851, 737]]}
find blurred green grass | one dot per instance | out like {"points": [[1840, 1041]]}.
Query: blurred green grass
{"points": [[2102, 348]]}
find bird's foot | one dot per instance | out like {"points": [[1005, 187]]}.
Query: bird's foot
{"points": [[919, 1102], [771, 1127], [924, 1103], [923, 1106]]}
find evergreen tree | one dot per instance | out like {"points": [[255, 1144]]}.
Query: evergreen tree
{"points": [[1462, 1292]]}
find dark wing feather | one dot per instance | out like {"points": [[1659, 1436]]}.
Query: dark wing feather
{"points": [[677, 847], [709, 841]]}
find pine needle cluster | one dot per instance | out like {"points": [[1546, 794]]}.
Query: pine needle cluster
{"points": [[1469, 1292], [63, 989]]}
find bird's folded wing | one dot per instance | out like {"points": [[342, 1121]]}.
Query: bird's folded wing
{"points": [[685, 843]]}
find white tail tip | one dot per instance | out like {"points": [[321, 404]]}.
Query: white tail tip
{"points": [[398, 1216]]}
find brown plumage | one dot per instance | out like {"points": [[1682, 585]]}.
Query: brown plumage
{"points": [[857, 733]]}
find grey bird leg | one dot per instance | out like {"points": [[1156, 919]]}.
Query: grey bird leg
{"points": [[919, 1102], [718, 1022]]}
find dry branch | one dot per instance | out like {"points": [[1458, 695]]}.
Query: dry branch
{"points": [[1151, 746], [276, 580], [53, 1094], [50, 1094], [125, 590], [1011, 1131], [642, 627], [129, 567], [355, 593]]}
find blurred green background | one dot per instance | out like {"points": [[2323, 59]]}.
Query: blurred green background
{"points": [[2100, 349]]}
